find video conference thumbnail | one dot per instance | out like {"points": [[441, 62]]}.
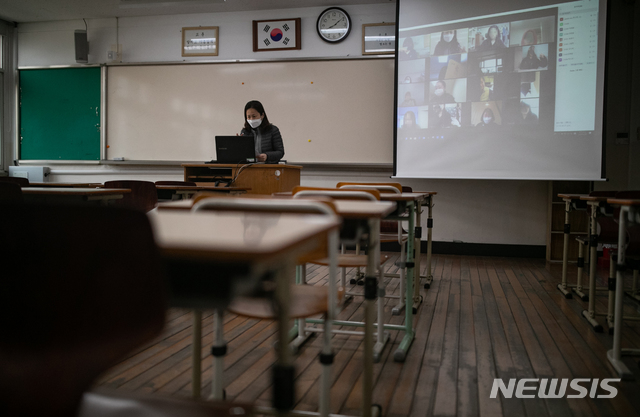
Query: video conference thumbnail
{"points": [[489, 75]]}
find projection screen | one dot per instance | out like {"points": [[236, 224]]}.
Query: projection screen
{"points": [[500, 89]]}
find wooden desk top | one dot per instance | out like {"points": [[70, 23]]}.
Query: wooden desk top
{"points": [[404, 196], [349, 209], [196, 188], [623, 201], [67, 184], [592, 198], [572, 196], [258, 165], [237, 237], [77, 191]]}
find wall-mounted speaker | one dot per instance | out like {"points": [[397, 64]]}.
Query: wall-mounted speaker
{"points": [[82, 46]]}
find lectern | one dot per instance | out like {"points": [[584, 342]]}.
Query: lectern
{"points": [[259, 178]]}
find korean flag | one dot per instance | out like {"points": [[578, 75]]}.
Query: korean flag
{"points": [[277, 35]]}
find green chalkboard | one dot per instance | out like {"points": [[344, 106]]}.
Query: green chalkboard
{"points": [[60, 114]]}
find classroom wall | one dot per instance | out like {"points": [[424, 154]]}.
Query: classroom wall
{"points": [[7, 96], [475, 211]]}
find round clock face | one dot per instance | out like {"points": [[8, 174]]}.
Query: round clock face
{"points": [[334, 25]]}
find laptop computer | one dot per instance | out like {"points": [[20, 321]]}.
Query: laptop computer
{"points": [[235, 149]]}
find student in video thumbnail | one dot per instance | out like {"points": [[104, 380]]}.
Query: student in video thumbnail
{"points": [[526, 114], [408, 100], [492, 41], [487, 119], [532, 60], [448, 44], [407, 51], [439, 117], [482, 92], [440, 94], [409, 121]]}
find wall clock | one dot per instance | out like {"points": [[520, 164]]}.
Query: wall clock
{"points": [[333, 25]]}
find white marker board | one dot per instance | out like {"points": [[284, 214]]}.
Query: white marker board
{"points": [[336, 111]]}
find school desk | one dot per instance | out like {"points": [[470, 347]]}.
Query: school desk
{"points": [[629, 214], [71, 195], [211, 255], [67, 184]]}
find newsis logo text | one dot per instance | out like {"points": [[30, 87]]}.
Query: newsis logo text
{"points": [[554, 388]]}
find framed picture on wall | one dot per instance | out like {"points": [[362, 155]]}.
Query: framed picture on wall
{"points": [[200, 41], [378, 38], [276, 35]]}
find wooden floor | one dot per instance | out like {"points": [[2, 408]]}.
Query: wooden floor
{"points": [[483, 318]]}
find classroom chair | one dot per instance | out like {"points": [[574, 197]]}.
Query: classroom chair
{"points": [[83, 288], [10, 192], [22, 182], [350, 234], [143, 195], [604, 230], [306, 301], [391, 231]]}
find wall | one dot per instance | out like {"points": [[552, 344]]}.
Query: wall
{"points": [[500, 212]]}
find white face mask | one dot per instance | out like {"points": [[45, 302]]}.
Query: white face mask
{"points": [[254, 123], [448, 37], [439, 92], [487, 120]]}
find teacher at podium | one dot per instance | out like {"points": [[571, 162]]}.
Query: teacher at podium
{"points": [[267, 138]]}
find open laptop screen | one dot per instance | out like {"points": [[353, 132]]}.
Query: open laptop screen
{"points": [[235, 149]]}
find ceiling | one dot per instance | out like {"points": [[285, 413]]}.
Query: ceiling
{"points": [[50, 10]]}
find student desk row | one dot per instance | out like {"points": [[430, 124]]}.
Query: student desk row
{"points": [[72, 194]]}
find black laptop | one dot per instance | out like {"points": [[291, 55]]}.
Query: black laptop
{"points": [[235, 150]]}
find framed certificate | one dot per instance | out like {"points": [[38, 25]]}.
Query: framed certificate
{"points": [[276, 35], [200, 41], [378, 38]]}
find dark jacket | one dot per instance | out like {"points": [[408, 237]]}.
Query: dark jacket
{"points": [[270, 142]]}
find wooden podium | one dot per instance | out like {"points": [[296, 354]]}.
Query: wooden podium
{"points": [[260, 178]]}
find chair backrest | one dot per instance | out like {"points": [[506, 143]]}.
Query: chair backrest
{"points": [[183, 183], [22, 182], [10, 192], [383, 187], [143, 196], [83, 287], [631, 194], [336, 194], [264, 205]]}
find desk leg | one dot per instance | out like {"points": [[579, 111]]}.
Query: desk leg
{"points": [[401, 353], [196, 353], [565, 251], [427, 284], [370, 296], [615, 355], [417, 298], [590, 314], [218, 351], [283, 370]]}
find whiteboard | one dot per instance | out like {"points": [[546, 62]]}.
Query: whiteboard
{"points": [[336, 111]]}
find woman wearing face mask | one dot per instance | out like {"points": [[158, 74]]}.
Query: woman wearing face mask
{"points": [[492, 40], [448, 44], [268, 141], [440, 94], [487, 119]]}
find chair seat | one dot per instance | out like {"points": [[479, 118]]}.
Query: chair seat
{"points": [[306, 301], [349, 261]]}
